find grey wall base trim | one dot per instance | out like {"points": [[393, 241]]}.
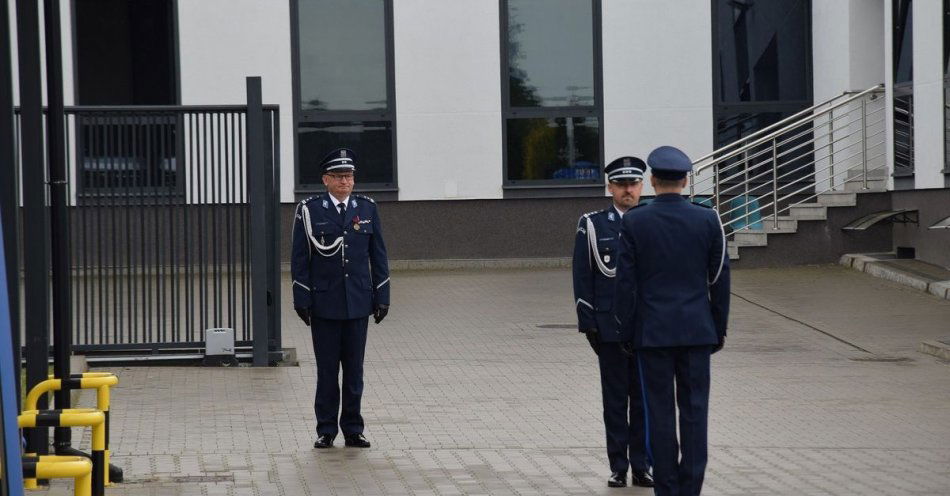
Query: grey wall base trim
{"points": [[931, 245], [482, 263], [473, 263]]}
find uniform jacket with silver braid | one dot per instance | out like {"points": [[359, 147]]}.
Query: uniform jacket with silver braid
{"points": [[339, 266], [594, 264]]}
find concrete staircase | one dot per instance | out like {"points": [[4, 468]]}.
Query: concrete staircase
{"points": [[816, 211]]}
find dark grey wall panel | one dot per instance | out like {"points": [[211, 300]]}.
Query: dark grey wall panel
{"points": [[932, 245], [470, 229], [819, 242]]}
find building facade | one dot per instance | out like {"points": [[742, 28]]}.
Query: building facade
{"points": [[483, 125]]}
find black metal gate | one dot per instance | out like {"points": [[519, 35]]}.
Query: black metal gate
{"points": [[161, 230]]}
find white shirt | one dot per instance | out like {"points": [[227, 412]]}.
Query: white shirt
{"points": [[336, 203], [618, 210]]}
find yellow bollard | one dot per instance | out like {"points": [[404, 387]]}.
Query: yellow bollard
{"points": [[100, 381], [50, 467], [50, 385], [29, 482], [77, 417]]}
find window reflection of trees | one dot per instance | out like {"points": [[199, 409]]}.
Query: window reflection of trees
{"points": [[548, 137]]}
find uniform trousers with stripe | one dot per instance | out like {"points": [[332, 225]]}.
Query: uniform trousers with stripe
{"points": [[339, 344], [624, 420], [677, 377]]}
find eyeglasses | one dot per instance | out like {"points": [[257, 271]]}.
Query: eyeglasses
{"points": [[628, 182], [341, 177]]}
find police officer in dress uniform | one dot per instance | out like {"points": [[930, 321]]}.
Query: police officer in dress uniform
{"points": [[595, 259], [340, 277], [672, 305]]}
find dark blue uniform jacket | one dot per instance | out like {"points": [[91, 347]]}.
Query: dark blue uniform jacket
{"points": [[672, 275], [593, 287], [339, 266]]}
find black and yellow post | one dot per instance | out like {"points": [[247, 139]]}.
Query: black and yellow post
{"points": [[101, 382], [53, 467], [78, 417]]}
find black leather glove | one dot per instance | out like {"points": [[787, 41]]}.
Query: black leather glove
{"points": [[379, 313], [722, 342], [593, 337], [627, 348], [304, 314]]}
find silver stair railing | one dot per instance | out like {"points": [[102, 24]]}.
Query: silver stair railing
{"points": [[791, 162]]}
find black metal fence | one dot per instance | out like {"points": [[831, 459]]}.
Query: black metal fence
{"points": [[160, 225]]}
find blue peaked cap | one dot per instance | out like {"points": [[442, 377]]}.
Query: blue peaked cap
{"points": [[339, 160], [625, 169], [667, 162]]}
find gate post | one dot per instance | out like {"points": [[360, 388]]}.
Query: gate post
{"points": [[8, 192], [59, 213], [257, 203], [36, 233], [272, 203]]}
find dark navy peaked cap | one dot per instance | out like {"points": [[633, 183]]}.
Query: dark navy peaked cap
{"points": [[625, 169], [339, 160], [667, 162]]}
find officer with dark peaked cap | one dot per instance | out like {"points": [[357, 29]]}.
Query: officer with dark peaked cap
{"points": [[672, 305], [340, 277], [595, 260]]}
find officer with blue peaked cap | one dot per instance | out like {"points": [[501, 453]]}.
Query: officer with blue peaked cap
{"points": [[595, 259], [669, 163], [672, 308], [340, 277]]}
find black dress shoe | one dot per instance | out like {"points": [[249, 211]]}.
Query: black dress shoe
{"points": [[641, 478], [324, 441], [356, 441], [617, 479]]}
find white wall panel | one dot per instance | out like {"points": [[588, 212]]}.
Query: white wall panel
{"points": [[847, 55], [866, 43], [222, 42], [928, 94], [889, 90], [657, 77], [448, 99]]}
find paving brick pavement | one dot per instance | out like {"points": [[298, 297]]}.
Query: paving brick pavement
{"points": [[477, 383]]}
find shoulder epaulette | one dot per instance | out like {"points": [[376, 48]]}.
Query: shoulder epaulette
{"points": [[366, 198], [308, 200], [595, 212]]}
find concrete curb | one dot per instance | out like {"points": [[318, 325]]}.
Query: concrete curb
{"points": [[935, 348], [868, 264], [872, 265]]}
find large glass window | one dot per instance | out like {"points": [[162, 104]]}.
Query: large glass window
{"points": [[344, 85], [552, 105], [761, 70], [903, 61]]}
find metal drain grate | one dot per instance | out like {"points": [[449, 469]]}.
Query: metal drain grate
{"points": [[181, 479], [202, 478]]}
